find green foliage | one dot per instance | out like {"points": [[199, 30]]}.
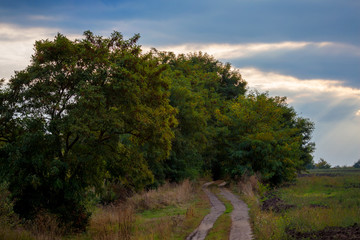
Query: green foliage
{"points": [[310, 165], [322, 164], [200, 87], [265, 136], [357, 164], [7, 216], [83, 111]]}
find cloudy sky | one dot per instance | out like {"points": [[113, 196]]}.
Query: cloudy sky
{"points": [[306, 50]]}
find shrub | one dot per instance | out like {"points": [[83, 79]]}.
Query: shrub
{"points": [[357, 164], [322, 164], [7, 216]]}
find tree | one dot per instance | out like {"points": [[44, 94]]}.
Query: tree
{"points": [[311, 165], [201, 86], [357, 164], [264, 136], [322, 164], [83, 111]]}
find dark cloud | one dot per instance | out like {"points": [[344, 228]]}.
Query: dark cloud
{"points": [[205, 21], [308, 63]]}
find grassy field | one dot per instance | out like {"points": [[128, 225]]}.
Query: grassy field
{"points": [[318, 200]]}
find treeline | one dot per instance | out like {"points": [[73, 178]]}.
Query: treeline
{"points": [[99, 111]]}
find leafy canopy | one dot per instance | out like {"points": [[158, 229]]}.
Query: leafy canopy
{"points": [[81, 112]]}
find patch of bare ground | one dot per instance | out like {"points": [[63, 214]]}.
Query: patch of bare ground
{"points": [[275, 204], [329, 233]]}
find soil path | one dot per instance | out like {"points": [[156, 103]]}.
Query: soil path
{"points": [[207, 223], [240, 227]]}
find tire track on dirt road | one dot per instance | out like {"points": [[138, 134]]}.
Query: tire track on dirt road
{"points": [[240, 226], [217, 209]]}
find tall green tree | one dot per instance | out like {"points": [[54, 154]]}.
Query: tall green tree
{"points": [[201, 86], [264, 136], [81, 112]]}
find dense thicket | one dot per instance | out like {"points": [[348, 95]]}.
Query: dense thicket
{"points": [[98, 110]]}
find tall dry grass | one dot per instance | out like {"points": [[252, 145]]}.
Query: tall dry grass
{"points": [[121, 221], [112, 222], [249, 186], [166, 195], [46, 226]]}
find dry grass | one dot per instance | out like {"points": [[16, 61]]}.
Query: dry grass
{"points": [[249, 186], [166, 195], [44, 227], [154, 214], [265, 225], [169, 212], [15, 234], [157, 228], [112, 222]]}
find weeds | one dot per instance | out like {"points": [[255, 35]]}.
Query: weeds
{"points": [[168, 212], [166, 195], [46, 226], [112, 222], [176, 215], [320, 201]]}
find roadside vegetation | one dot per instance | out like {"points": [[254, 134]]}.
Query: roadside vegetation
{"points": [[320, 203], [170, 212]]}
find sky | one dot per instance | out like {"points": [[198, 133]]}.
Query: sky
{"points": [[308, 50]]}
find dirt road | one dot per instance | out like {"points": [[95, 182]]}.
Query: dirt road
{"points": [[240, 226], [207, 223]]}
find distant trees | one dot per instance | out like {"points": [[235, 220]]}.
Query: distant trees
{"points": [[322, 164], [97, 110], [357, 164]]}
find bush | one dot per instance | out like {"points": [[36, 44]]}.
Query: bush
{"points": [[7, 216], [322, 164], [357, 164]]}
